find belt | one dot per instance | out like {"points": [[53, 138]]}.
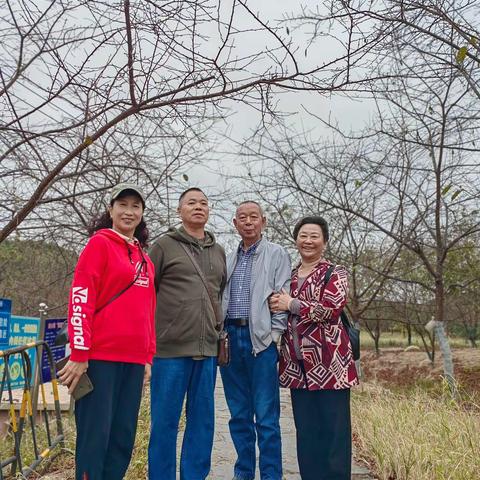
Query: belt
{"points": [[237, 322]]}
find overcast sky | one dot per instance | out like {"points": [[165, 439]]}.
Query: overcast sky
{"points": [[349, 113], [243, 119]]}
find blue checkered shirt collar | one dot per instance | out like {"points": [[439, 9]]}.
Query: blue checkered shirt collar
{"points": [[239, 304], [250, 250]]}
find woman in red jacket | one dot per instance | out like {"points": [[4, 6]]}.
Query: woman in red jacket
{"points": [[112, 335], [316, 360]]}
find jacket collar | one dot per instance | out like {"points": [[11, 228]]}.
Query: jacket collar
{"points": [[313, 274], [254, 246]]}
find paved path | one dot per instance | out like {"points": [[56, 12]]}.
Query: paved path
{"points": [[224, 456]]}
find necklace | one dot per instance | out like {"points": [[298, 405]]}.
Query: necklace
{"points": [[305, 270]]}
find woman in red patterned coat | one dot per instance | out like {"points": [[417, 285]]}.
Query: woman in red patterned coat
{"points": [[316, 360]]}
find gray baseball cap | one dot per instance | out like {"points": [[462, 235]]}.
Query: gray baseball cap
{"points": [[118, 189]]}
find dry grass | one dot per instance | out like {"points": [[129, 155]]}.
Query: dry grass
{"points": [[139, 464], [416, 436], [61, 459], [404, 372]]}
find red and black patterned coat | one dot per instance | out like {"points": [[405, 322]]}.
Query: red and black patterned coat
{"points": [[324, 343]]}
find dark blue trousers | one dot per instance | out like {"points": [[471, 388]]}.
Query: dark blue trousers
{"points": [[324, 437], [106, 420]]}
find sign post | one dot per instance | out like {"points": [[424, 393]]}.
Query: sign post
{"points": [[42, 310], [5, 315]]}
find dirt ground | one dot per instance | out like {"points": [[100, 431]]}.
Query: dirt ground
{"points": [[396, 367]]}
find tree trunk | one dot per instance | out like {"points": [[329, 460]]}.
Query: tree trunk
{"points": [[431, 338], [432, 343], [470, 334], [447, 356], [439, 330], [376, 338]]}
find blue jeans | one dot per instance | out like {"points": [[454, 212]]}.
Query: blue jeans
{"points": [[253, 397], [172, 379]]}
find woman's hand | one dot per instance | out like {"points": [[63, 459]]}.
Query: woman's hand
{"points": [[279, 302], [70, 374], [147, 375]]}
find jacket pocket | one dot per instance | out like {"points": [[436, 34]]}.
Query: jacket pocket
{"points": [[188, 322], [162, 328], [182, 325]]}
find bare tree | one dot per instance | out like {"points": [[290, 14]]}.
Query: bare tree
{"points": [[74, 73], [369, 260], [33, 272], [463, 311], [444, 31], [412, 177]]}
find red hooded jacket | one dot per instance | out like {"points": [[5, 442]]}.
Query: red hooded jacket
{"points": [[124, 330]]}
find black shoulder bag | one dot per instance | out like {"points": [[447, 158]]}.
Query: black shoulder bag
{"points": [[352, 331]]}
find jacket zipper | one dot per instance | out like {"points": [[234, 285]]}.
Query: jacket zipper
{"points": [[254, 352], [202, 333], [204, 313]]}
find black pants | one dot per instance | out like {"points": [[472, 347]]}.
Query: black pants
{"points": [[324, 438], [106, 420]]}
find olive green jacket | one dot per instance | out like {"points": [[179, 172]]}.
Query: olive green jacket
{"points": [[186, 324]]}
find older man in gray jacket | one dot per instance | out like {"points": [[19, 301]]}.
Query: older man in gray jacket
{"points": [[255, 270]]}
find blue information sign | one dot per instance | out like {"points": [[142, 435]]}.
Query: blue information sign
{"points": [[52, 327], [23, 330], [5, 314]]}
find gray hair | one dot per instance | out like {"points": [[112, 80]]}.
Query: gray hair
{"points": [[251, 201]]}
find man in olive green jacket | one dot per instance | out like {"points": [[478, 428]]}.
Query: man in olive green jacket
{"points": [[187, 341]]}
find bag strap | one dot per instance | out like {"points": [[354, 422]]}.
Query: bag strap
{"points": [[218, 318], [328, 274], [138, 271], [326, 279]]}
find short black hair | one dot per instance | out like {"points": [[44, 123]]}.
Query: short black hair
{"points": [[191, 189], [316, 220]]}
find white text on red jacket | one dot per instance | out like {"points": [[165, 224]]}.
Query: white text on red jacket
{"points": [[79, 298]]}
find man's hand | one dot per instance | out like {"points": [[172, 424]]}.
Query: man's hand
{"points": [[70, 374], [279, 302]]}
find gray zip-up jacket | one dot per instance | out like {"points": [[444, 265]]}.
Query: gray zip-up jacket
{"points": [[271, 271]]}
